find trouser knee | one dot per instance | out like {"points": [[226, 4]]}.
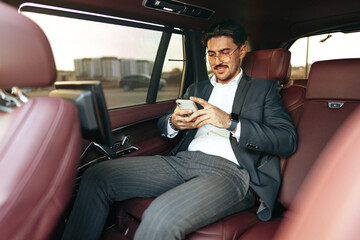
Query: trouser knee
{"points": [[95, 179]]}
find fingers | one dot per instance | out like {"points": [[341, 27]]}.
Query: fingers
{"points": [[198, 113], [180, 119], [182, 112], [200, 101], [202, 120], [211, 115]]}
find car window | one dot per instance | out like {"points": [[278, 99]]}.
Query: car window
{"points": [[305, 51], [90, 50]]}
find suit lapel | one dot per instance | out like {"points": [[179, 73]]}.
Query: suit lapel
{"points": [[203, 91], [206, 92], [240, 94]]}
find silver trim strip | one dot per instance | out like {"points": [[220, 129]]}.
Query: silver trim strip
{"points": [[335, 105]]}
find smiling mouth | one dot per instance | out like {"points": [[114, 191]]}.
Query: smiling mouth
{"points": [[220, 68]]}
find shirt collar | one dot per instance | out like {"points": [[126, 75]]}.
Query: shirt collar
{"points": [[235, 81]]}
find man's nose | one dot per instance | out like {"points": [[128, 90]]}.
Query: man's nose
{"points": [[218, 60]]}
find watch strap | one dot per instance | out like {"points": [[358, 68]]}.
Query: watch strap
{"points": [[233, 125]]}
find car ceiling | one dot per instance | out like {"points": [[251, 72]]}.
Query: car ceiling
{"points": [[269, 23]]}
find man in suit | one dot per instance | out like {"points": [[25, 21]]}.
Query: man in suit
{"points": [[228, 153]]}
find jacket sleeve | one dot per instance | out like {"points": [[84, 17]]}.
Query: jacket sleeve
{"points": [[266, 125]]}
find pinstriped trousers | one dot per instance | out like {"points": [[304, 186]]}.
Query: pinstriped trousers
{"points": [[192, 189]]}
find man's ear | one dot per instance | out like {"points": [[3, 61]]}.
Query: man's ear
{"points": [[243, 50]]}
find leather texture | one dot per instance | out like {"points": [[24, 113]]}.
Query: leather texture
{"points": [[137, 113], [26, 57], [317, 125], [262, 230], [39, 141], [293, 95], [268, 64], [328, 203], [341, 78], [318, 122], [39, 158], [140, 125], [130, 212]]}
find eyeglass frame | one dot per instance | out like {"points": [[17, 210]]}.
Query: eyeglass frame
{"points": [[221, 55]]}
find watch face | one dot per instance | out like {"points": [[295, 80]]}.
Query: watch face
{"points": [[234, 117]]}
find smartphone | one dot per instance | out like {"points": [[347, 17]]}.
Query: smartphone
{"points": [[186, 104]]}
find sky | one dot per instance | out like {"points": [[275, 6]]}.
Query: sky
{"points": [[73, 39], [339, 45]]}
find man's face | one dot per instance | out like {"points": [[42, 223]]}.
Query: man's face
{"points": [[225, 71]]}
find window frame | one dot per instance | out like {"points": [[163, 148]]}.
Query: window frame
{"points": [[310, 46], [167, 32]]}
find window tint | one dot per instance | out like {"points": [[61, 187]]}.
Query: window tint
{"points": [[88, 50], [307, 50]]}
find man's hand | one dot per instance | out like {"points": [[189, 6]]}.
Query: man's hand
{"points": [[209, 115], [180, 119]]}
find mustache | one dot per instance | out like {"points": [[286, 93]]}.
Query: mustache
{"points": [[220, 65]]}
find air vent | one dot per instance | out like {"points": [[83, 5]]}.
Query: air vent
{"points": [[180, 8]]}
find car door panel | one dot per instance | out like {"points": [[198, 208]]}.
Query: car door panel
{"points": [[135, 134]]}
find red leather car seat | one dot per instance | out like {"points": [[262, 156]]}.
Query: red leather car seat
{"points": [[268, 64], [332, 94], [293, 95], [39, 140], [328, 203]]}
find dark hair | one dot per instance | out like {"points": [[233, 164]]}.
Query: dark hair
{"points": [[227, 28]]}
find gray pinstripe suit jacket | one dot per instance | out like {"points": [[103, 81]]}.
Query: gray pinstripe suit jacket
{"points": [[267, 132]]}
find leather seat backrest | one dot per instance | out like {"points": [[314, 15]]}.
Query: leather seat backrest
{"points": [[327, 206], [39, 140], [268, 64], [275, 64], [293, 95], [332, 94]]}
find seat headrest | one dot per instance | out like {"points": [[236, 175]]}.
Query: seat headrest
{"points": [[268, 64], [334, 79], [26, 59]]}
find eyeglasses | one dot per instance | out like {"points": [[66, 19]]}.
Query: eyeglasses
{"points": [[223, 56]]}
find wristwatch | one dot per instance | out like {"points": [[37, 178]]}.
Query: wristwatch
{"points": [[234, 121]]}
